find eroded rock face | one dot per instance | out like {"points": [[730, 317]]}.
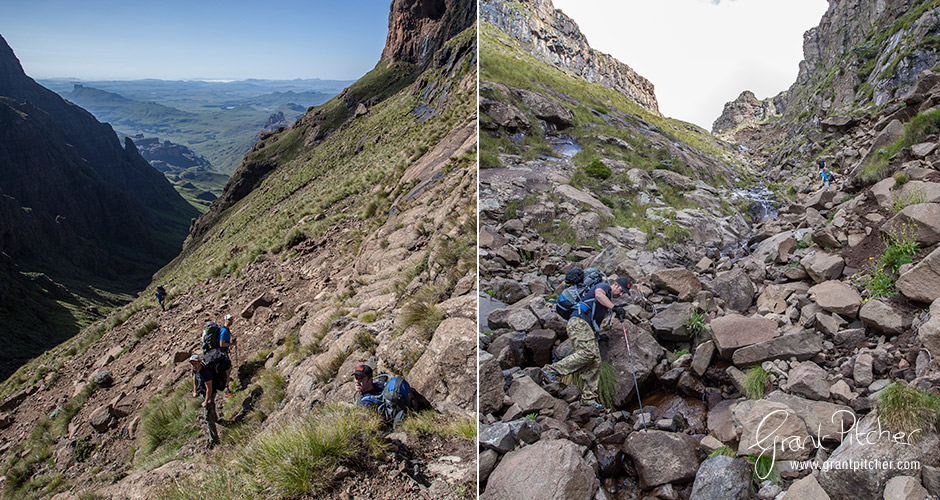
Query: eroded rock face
{"points": [[450, 348], [745, 110], [418, 28], [555, 38], [521, 474]]}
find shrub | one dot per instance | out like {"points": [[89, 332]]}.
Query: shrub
{"points": [[900, 247], [598, 170], [696, 324], [755, 382], [906, 409]]}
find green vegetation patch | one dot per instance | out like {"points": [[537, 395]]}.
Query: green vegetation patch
{"points": [[906, 409]]}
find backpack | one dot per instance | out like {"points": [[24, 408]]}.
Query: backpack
{"points": [[210, 337], [219, 363], [571, 296], [397, 392]]}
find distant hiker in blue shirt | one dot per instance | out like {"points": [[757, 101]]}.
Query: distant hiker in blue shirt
{"points": [[161, 296], [825, 173], [225, 342]]}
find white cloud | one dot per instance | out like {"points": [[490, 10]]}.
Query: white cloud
{"points": [[699, 54]]}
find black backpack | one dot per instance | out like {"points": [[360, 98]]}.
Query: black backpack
{"points": [[210, 337], [571, 296], [219, 364]]}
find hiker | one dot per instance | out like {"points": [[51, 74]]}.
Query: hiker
{"points": [[161, 296], [582, 327], [825, 173], [391, 397], [368, 393], [203, 379], [225, 342]]}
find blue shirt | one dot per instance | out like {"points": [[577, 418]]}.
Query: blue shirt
{"points": [[589, 300], [224, 336], [371, 398]]}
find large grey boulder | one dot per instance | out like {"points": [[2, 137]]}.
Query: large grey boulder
{"points": [[679, 281], [774, 429], [884, 318], [723, 477], [735, 288], [702, 357], [837, 297], [923, 217], [498, 437], [662, 457], [509, 291], [929, 332], [451, 351], [905, 488], [863, 371], [646, 353], [922, 283], [529, 396], [824, 420], [822, 266], [809, 380], [492, 384], [803, 345], [734, 331], [546, 108], [866, 443], [672, 322], [503, 115], [576, 196], [521, 475]]}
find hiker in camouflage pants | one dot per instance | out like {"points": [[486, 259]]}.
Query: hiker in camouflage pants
{"points": [[582, 327]]}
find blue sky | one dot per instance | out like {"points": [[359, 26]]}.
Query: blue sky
{"points": [[195, 39], [700, 54]]}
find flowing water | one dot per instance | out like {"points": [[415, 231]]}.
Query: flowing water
{"points": [[564, 145], [762, 202]]}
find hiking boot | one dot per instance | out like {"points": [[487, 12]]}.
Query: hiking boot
{"points": [[228, 393], [550, 375]]}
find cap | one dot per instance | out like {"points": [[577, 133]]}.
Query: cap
{"points": [[624, 283], [228, 317], [194, 357], [363, 371]]}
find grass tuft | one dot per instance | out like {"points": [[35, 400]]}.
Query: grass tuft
{"points": [[755, 382], [447, 426], [906, 409], [722, 450]]}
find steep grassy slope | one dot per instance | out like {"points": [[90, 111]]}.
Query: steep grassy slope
{"points": [[359, 244]]}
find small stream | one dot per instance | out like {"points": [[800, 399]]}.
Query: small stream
{"points": [[762, 202], [564, 145]]}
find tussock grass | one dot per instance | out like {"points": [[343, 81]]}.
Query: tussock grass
{"points": [[606, 386], [326, 373], [722, 450], [906, 409], [366, 341], [421, 311], [448, 426], [755, 382], [147, 328], [765, 468], [167, 423]]}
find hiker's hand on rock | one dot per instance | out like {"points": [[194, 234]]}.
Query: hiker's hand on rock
{"points": [[195, 394], [620, 312]]}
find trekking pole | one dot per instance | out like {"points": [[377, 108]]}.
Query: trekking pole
{"points": [[633, 369]]}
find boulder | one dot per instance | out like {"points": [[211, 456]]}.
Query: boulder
{"points": [[773, 300], [884, 318], [488, 459], [735, 288], [905, 488], [509, 291], [528, 395], [723, 477], [673, 179], [734, 331], [264, 300], [100, 419], [577, 197], [109, 356], [802, 345], [807, 488], [586, 225], [103, 378], [863, 370], [503, 115], [646, 353], [451, 351], [538, 347], [672, 322], [521, 474], [822, 266], [491, 383], [922, 150], [837, 297], [498, 437], [929, 332], [721, 422], [774, 429], [924, 217], [922, 282], [809, 380], [546, 108], [662, 457], [679, 281], [867, 442], [824, 421], [702, 357]]}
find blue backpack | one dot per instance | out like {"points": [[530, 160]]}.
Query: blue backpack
{"points": [[397, 392], [573, 296]]}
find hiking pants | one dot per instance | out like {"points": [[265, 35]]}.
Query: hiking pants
{"points": [[585, 360], [209, 416]]}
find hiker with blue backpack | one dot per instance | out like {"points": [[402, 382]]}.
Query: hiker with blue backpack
{"points": [[824, 172], [391, 397], [161, 297], [586, 302]]}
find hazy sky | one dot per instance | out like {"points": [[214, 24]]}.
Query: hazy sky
{"points": [[700, 54], [195, 39]]}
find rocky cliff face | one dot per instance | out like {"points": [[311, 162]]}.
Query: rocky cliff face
{"points": [[555, 38], [77, 205], [418, 28], [747, 110]]}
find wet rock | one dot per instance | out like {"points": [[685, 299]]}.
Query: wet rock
{"points": [[679, 281], [836, 297], [662, 457], [509, 291], [529, 396], [723, 477], [924, 217], [735, 288], [609, 460], [672, 322], [848, 484], [922, 283], [822, 266], [905, 488], [498, 437], [734, 331], [863, 370], [803, 345], [561, 460], [809, 380], [807, 489], [690, 386]]}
